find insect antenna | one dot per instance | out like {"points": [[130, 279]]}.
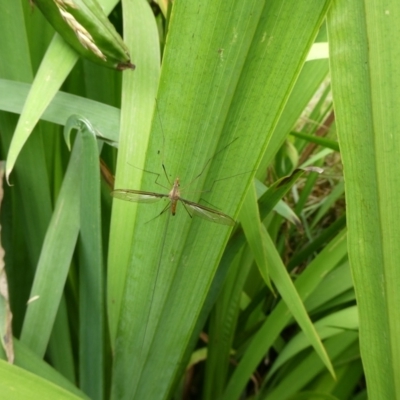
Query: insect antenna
{"points": [[225, 178], [209, 160], [163, 142]]}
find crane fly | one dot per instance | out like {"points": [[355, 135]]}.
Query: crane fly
{"points": [[174, 196]]}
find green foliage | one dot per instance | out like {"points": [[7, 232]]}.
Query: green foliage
{"points": [[125, 303]]}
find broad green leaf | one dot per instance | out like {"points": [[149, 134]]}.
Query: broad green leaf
{"points": [[310, 78], [232, 61], [27, 360], [16, 384], [365, 80]]}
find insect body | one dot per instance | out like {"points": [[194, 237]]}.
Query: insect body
{"points": [[174, 196]]}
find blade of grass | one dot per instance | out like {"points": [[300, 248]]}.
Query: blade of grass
{"points": [[330, 144], [277, 320], [333, 286], [331, 325], [364, 65], [138, 96], [222, 326], [286, 289], [91, 295], [251, 224], [58, 62], [305, 371], [31, 179], [27, 360], [57, 250], [16, 384], [102, 116]]}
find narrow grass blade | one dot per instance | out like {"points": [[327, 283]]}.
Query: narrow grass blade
{"points": [[31, 181], [91, 282], [103, 117], [223, 324], [141, 36], [251, 224], [57, 251], [308, 368], [333, 324], [286, 289], [330, 144], [58, 62], [277, 320]]}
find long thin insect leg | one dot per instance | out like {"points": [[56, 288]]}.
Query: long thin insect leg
{"points": [[166, 175], [167, 207], [210, 204], [153, 173], [184, 205], [209, 160], [223, 179], [159, 184], [215, 181]]}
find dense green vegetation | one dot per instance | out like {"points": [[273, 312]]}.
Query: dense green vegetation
{"points": [[123, 305]]}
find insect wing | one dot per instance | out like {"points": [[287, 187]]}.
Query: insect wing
{"points": [[137, 196], [208, 213]]}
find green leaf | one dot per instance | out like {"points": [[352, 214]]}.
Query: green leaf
{"points": [[58, 62], [330, 144], [331, 325], [223, 324], [365, 82], [253, 230], [305, 370], [232, 62], [27, 360], [284, 284], [57, 249], [16, 384], [91, 294], [277, 320], [103, 117], [138, 104]]}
